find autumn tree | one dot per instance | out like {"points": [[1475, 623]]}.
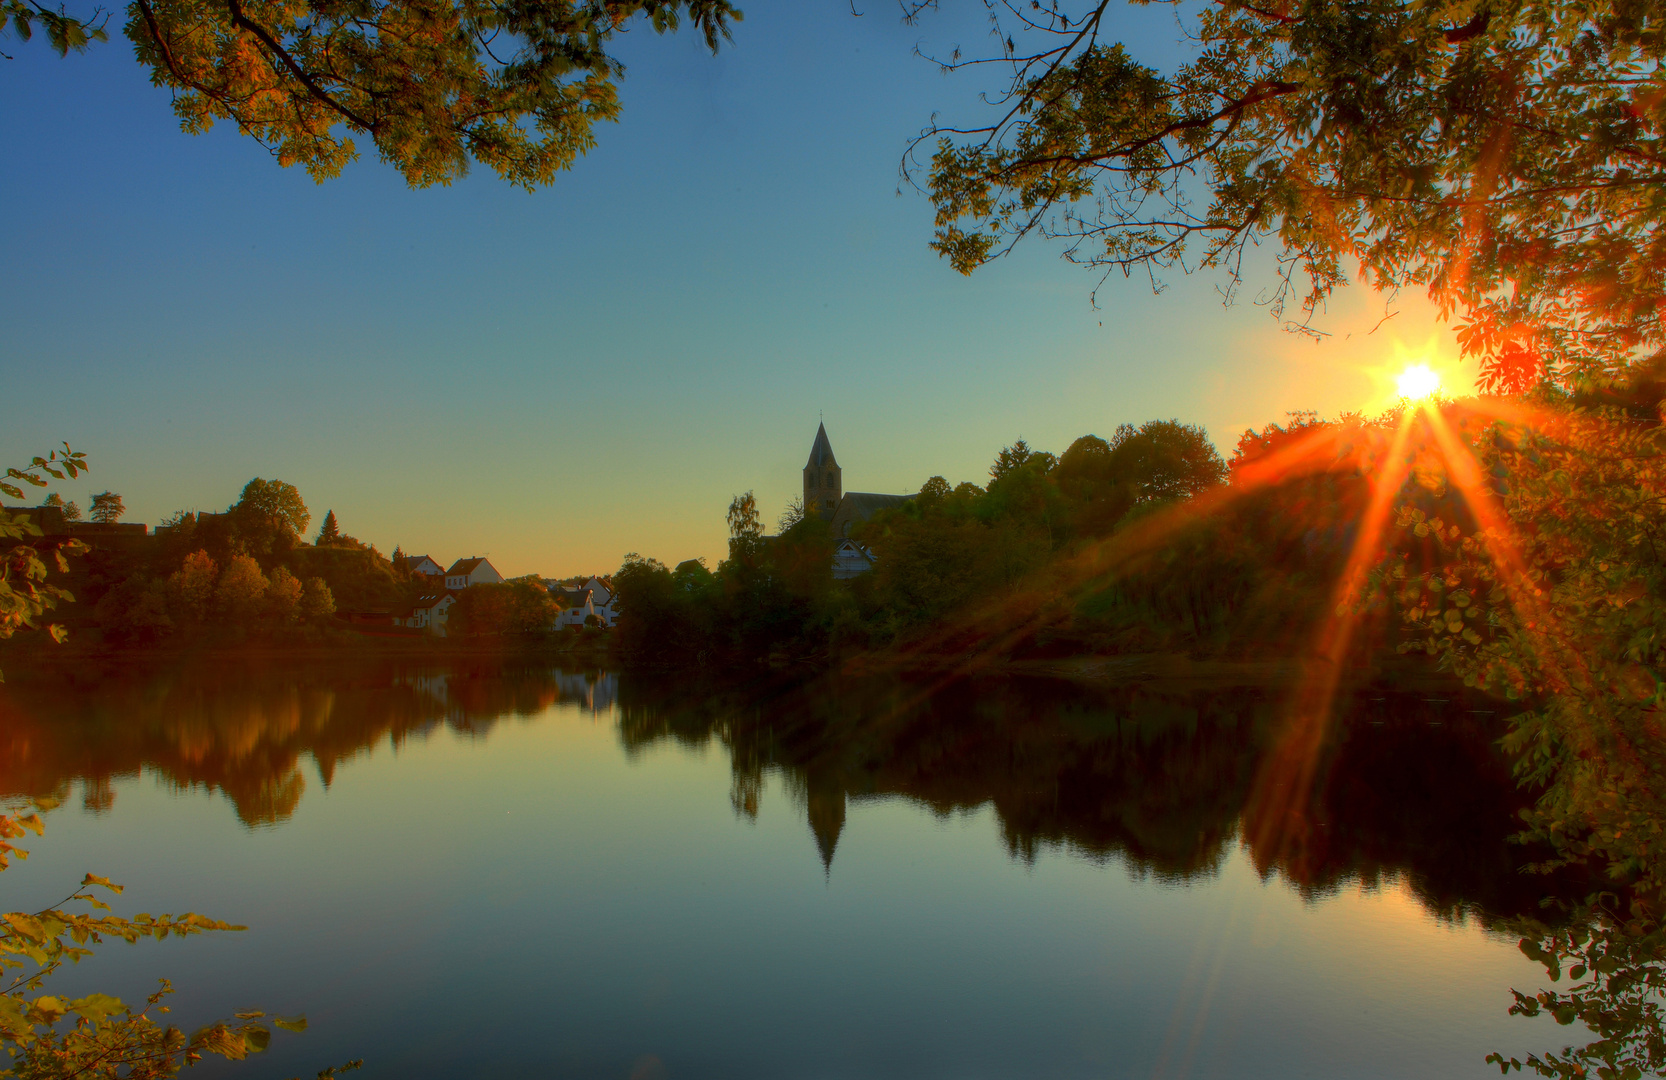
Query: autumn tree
{"points": [[191, 587], [107, 508], [241, 589], [283, 596], [317, 602], [1505, 158], [746, 530], [25, 593], [516, 85]]}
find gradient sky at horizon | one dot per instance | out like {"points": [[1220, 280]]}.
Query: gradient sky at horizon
{"points": [[557, 378]]}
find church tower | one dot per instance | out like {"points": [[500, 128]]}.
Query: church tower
{"points": [[823, 479]]}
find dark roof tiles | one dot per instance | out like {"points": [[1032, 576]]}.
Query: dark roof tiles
{"points": [[821, 451]]}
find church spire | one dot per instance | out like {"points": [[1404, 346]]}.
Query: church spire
{"points": [[821, 451], [823, 479]]}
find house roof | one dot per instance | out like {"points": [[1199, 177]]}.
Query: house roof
{"points": [[859, 506], [464, 566], [821, 451], [412, 560], [863, 505], [432, 599]]}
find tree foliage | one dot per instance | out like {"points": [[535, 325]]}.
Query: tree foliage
{"points": [[516, 85], [329, 532], [25, 594], [502, 609], [50, 1037], [107, 508], [70, 511], [272, 508], [1505, 157], [949, 551]]}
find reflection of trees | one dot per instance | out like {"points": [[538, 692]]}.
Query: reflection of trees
{"points": [[244, 730], [1159, 779]]}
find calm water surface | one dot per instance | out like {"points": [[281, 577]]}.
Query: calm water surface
{"points": [[544, 873]]}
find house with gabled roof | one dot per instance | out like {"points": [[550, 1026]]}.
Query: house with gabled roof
{"points": [[421, 564], [850, 559], [594, 597], [476, 570], [427, 612]]}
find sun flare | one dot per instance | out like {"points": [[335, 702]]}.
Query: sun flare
{"points": [[1417, 381]]}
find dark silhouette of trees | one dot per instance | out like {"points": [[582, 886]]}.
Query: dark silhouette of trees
{"points": [[107, 508]]}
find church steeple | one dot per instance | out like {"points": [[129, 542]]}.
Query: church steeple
{"points": [[823, 479]]}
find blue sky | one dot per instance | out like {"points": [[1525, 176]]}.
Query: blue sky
{"points": [[560, 377]]}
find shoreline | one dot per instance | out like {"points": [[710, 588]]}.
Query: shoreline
{"points": [[35, 660]]}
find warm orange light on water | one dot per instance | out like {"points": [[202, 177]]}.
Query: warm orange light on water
{"points": [[1417, 381]]}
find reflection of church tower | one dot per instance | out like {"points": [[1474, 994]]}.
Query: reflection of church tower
{"points": [[827, 816], [823, 479]]}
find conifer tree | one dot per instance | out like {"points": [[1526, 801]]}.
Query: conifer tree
{"points": [[329, 532]]}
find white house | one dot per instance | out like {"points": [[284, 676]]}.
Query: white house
{"points": [[594, 597], [422, 564], [466, 572], [850, 559], [428, 612]]}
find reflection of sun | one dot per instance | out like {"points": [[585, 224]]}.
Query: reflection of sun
{"points": [[1417, 381]]}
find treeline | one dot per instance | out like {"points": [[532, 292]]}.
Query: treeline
{"points": [[1024, 555], [247, 571]]}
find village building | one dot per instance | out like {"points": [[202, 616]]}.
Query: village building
{"points": [[472, 571], [427, 612], [825, 496], [421, 564], [579, 602]]}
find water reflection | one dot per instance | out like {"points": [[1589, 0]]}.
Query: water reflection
{"points": [[244, 731], [1412, 786]]}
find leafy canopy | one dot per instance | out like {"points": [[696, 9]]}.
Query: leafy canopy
{"points": [[1507, 157], [516, 85], [25, 594], [273, 504], [99, 1037]]}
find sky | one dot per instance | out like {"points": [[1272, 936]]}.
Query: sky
{"points": [[553, 379]]}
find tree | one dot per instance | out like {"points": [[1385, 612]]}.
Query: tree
{"points": [[283, 596], [25, 594], [521, 606], [329, 532], [108, 1039], [191, 587], [241, 589], [273, 508], [70, 511], [792, 515], [317, 602], [1165, 459], [746, 531], [1010, 459], [516, 85], [107, 508], [1503, 157]]}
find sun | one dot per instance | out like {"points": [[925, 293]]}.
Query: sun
{"points": [[1417, 381]]}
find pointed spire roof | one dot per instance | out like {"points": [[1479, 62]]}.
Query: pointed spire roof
{"points": [[821, 453], [827, 820]]}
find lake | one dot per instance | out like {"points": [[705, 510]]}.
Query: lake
{"points": [[502, 870]]}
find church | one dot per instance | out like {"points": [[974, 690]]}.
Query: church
{"points": [[825, 495]]}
